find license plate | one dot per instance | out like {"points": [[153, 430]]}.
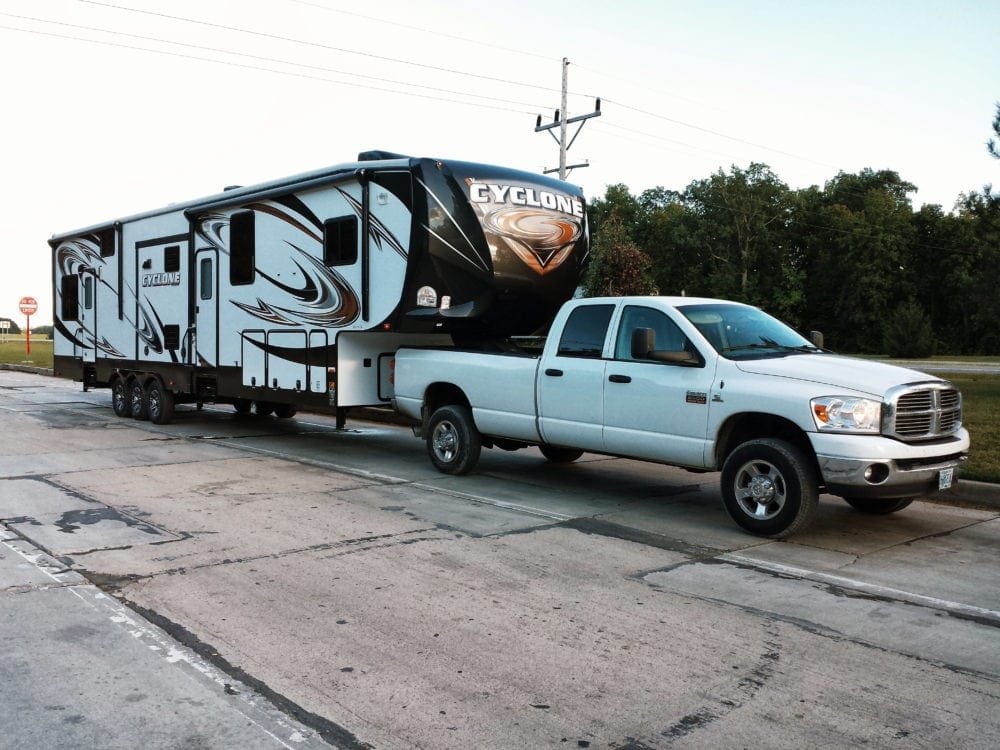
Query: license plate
{"points": [[945, 478]]}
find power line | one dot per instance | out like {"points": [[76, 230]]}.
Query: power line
{"points": [[425, 31], [266, 59], [319, 45], [261, 68]]}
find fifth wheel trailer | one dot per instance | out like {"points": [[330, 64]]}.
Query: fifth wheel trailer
{"points": [[297, 292]]}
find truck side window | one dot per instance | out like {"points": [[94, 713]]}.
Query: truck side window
{"points": [[241, 248], [668, 336], [585, 331], [340, 241]]}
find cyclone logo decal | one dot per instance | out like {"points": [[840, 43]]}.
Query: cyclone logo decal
{"points": [[542, 239]]}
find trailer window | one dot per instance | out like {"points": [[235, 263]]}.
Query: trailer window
{"points": [[172, 337], [340, 241], [585, 332], [69, 293], [206, 282], [241, 248], [88, 292], [106, 240], [172, 259]]}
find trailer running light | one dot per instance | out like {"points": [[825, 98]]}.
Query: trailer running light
{"points": [[427, 296]]}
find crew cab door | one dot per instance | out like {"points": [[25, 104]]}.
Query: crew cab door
{"points": [[654, 409], [571, 381]]}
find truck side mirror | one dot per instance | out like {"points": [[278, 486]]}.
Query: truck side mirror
{"points": [[816, 338], [643, 342]]}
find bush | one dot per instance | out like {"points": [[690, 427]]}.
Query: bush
{"points": [[908, 333]]}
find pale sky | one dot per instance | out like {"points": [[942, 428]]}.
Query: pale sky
{"points": [[93, 132]]}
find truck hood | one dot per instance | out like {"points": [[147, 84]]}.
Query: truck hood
{"points": [[845, 373]]}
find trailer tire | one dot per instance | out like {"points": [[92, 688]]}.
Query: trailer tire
{"points": [[453, 442], [263, 408], [285, 411], [137, 399], [875, 507], [159, 403], [242, 406], [119, 398], [769, 487], [560, 455]]}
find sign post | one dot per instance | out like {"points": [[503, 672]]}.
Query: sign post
{"points": [[29, 306]]}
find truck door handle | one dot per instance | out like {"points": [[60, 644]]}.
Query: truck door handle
{"points": [[554, 373], [619, 378]]}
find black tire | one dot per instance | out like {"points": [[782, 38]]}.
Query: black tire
{"points": [[263, 408], [120, 398], [285, 411], [769, 488], [453, 442], [137, 399], [560, 455], [877, 507], [159, 403], [243, 406]]}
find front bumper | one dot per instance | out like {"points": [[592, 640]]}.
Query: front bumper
{"points": [[878, 478]]}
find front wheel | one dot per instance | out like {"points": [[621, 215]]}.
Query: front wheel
{"points": [[453, 442], [560, 455], [769, 488], [159, 403], [876, 507]]}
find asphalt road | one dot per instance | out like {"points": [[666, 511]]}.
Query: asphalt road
{"points": [[255, 582]]}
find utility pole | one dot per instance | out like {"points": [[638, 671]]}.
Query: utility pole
{"points": [[562, 121]]}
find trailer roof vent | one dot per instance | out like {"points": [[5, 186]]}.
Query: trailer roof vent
{"points": [[380, 156], [227, 188]]}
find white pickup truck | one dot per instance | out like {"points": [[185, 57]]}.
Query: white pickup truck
{"points": [[699, 383]]}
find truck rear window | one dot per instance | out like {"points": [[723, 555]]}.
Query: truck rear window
{"points": [[585, 331]]}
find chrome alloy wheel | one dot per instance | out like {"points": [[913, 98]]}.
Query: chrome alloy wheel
{"points": [[444, 441], [760, 490]]}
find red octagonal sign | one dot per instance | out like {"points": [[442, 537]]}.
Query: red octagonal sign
{"points": [[29, 306]]}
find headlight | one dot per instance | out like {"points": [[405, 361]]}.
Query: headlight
{"points": [[847, 414]]}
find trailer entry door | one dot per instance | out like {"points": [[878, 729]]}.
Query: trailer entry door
{"points": [[205, 350]]}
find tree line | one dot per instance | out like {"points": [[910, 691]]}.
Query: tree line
{"points": [[852, 259]]}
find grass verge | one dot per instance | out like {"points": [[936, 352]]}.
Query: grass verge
{"points": [[981, 415], [12, 352]]}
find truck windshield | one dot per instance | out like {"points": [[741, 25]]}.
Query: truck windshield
{"points": [[740, 332]]}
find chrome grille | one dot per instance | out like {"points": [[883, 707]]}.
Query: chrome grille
{"points": [[923, 411]]}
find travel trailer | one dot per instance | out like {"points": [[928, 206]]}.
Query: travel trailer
{"points": [[297, 292]]}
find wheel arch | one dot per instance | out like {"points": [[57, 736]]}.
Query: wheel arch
{"points": [[753, 425], [444, 394]]}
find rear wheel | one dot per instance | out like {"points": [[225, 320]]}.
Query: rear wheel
{"points": [[137, 399], [453, 442], [876, 507], [242, 405], [263, 408], [284, 411], [120, 398], [159, 403], [769, 487], [560, 455]]}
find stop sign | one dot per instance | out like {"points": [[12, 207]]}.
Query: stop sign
{"points": [[29, 306]]}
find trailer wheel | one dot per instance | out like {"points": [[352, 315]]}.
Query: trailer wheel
{"points": [[120, 398], [285, 411], [137, 399], [159, 403], [453, 442], [560, 455], [876, 507], [769, 488], [242, 405], [263, 408]]}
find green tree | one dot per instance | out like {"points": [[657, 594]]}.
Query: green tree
{"points": [[991, 145], [617, 266]]}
